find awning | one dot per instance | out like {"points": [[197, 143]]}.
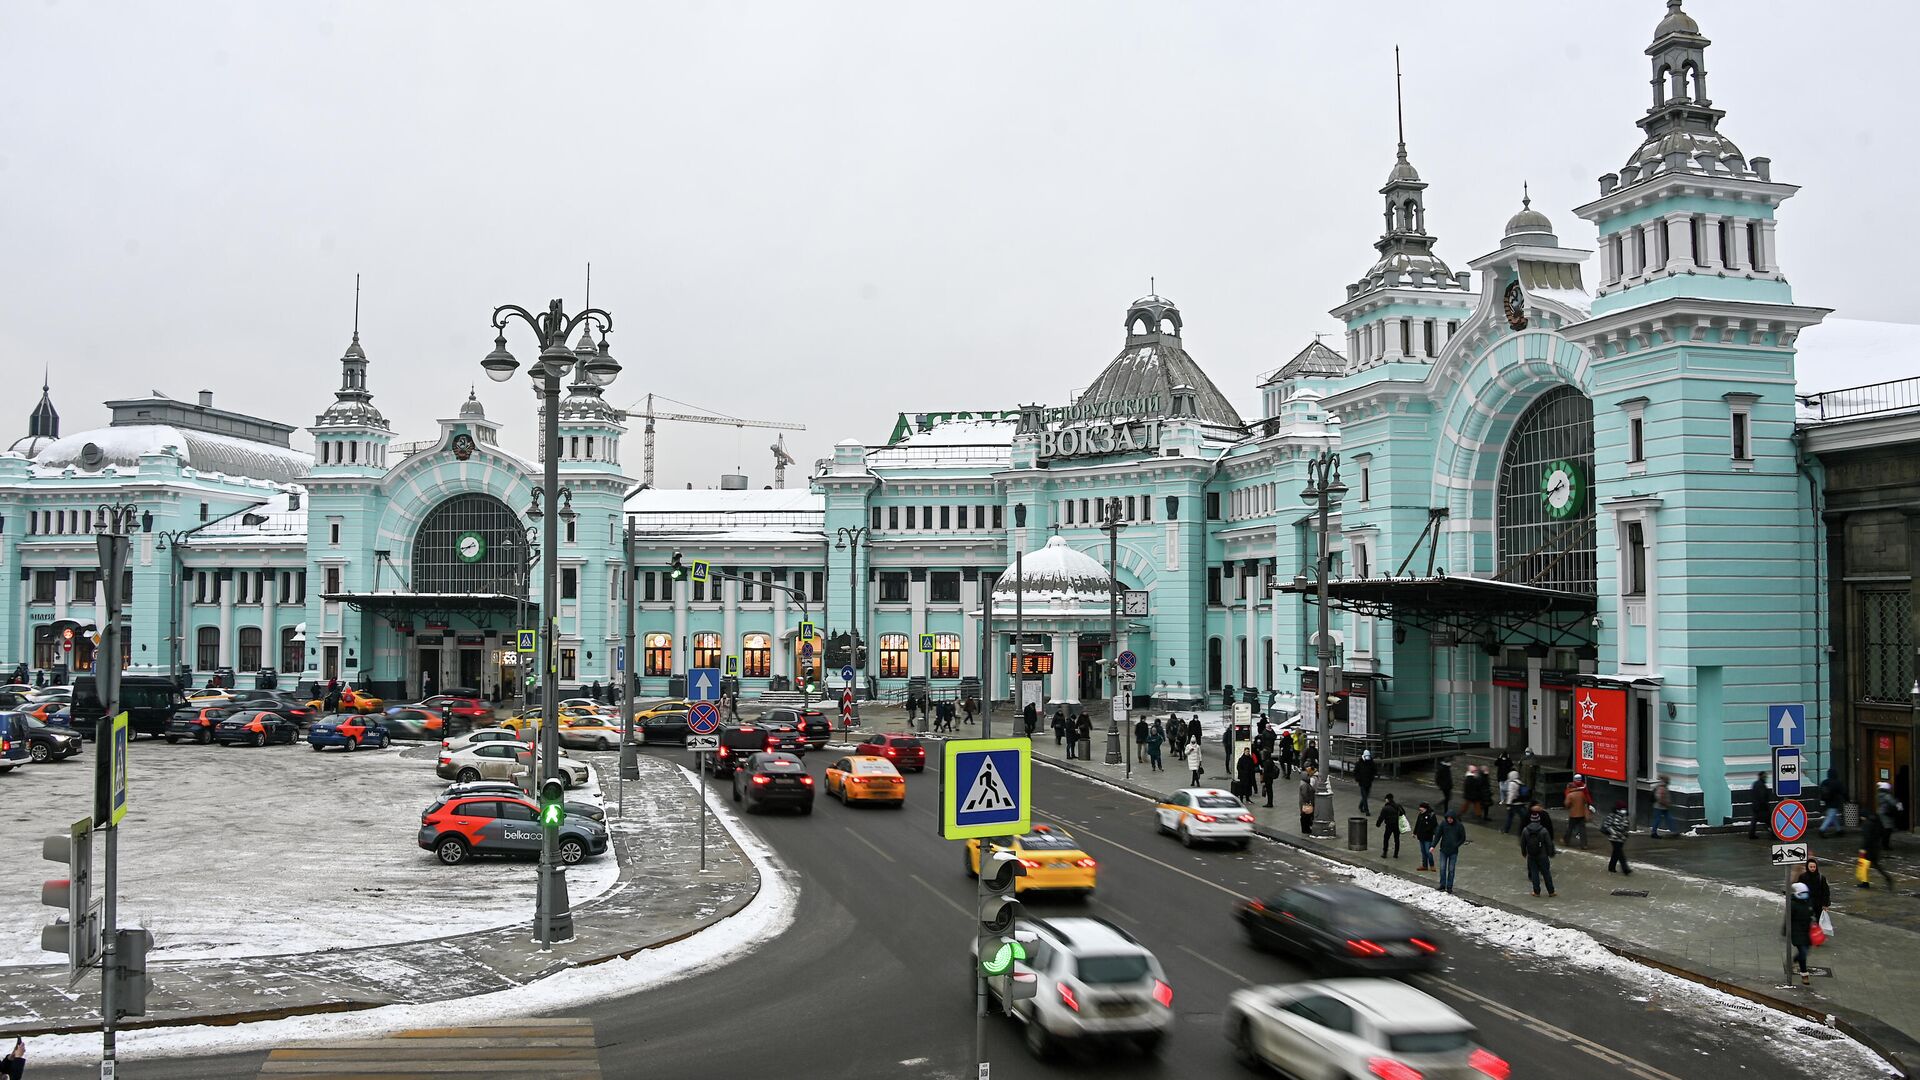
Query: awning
{"points": [[406, 606], [1480, 609]]}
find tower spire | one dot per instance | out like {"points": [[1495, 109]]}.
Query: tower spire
{"points": [[356, 307], [1399, 109]]}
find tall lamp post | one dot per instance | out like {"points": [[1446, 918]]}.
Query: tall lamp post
{"points": [[1115, 736], [174, 542], [524, 553], [553, 917], [1323, 491], [850, 539]]}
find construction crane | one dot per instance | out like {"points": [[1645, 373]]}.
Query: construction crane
{"points": [[781, 459], [690, 418]]}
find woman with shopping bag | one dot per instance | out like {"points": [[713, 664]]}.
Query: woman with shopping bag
{"points": [[1819, 894]]}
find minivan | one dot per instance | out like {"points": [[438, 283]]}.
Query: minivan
{"points": [[149, 702], [13, 741]]}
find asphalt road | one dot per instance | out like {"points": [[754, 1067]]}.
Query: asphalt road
{"points": [[873, 979]]}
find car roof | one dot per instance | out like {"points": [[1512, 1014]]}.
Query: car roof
{"points": [[1204, 791], [1392, 1004], [1089, 936]]}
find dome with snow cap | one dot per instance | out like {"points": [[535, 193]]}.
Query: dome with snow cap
{"points": [[1056, 578], [471, 409]]}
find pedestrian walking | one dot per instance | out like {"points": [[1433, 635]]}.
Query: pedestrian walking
{"points": [[1502, 765], [966, 709], [1269, 772], [1140, 732], [1800, 929], [1833, 799], [1246, 771], [1195, 760], [1311, 757], [1888, 809], [1155, 736], [1193, 729], [1391, 821], [1289, 756], [1071, 729], [1363, 774], [1760, 803], [1176, 735], [1447, 842], [1306, 801], [1443, 780], [1226, 740], [1819, 892], [733, 702], [1059, 726], [1085, 724], [1870, 855], [1578, 801], [1425, 827], [1514, 794], [1030, 717], [1615, 829], [1473, 793], [14, 1065], [1662, 809], [1536, 845]]}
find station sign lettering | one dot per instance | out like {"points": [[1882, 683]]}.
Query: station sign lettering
{"points": [[1100, 437]]}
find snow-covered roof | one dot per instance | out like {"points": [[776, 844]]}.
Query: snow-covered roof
{"points": [[1056, 580], [974, 443], [1316, 359], [203, 450], [973, 432], [275, 521], [716, 500], [734, 517]]}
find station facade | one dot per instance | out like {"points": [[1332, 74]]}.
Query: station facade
{"points": [[1572, 484]]}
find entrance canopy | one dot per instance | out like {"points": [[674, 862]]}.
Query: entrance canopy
{"points": [[405, 606], [1467, 607]]}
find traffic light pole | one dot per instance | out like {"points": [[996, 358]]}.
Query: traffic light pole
{"points": [[629, 753], [113, 545]]}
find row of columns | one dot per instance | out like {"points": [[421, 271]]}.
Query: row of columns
{"points": [[1630, 254], [1382, 339]]}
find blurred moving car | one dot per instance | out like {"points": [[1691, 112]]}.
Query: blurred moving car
{"points": [[1356, 1027], [482, 735], [405, 722], [1053, 860], [1337, 927], [503, 761], [1204, 814], [905, 751], [464, 707], [859, 778], [1094, 983], [255, 727], [589, 733], [347, 732], [776, 779]]}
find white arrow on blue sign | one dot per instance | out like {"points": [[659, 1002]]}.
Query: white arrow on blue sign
{"points": [[703, 684], [1786, 725], [846, 673]]}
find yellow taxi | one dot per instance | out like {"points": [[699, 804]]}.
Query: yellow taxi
{"points": [[1053, 860], [1204, 815], [351, 701], [589, 733], [864, 778], [531, 718]]}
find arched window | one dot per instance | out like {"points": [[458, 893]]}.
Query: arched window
{"points": [[893, 656], [469, 544], [249, 649], [756, 656], [659, 654], [207, 648], [1213, 663], [1545, 507], [946, 656], [290, 658], [706, 650]]}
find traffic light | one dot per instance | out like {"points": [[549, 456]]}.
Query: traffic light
{"points": [[677, 570], [806, 676], [999, 910], [78, 935], [553, 804]]}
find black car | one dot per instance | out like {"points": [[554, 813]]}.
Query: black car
{"points": [[1340, 928], [814, 727], [148, 700], [773, 779], [575, 808], [48, 743], [406, 723], [279, 702], [195, 723], [740, 741], [255, 727], [662, 722]]}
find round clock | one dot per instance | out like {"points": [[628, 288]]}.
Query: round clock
{"points": [[469, 546], [1515, 305], [1562, 489]]}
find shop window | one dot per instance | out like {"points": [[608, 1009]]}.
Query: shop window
{"points": [[569, 665], [569, 583], [1886, 645], [706, 650], [893, 584], [943, 586], [893, 656], [249, 649], [756, 656], [946, 656], [659, 654], [207, 648]]}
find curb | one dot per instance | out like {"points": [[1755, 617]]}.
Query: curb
{"points": [[1897, 1048]]}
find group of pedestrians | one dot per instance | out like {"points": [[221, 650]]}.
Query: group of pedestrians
{"points": [[1075, 731]]}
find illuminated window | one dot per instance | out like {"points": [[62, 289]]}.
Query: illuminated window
{"points": [[946, 656], [659, 654], [893, 656], [706, 650], [756, 656]]}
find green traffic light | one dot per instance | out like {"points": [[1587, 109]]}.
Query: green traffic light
{"points": [[1004, 958], [552, 815]]}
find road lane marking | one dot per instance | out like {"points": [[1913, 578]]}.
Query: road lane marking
{"points": [[1223, 969], [870, 844], [944, 898]]}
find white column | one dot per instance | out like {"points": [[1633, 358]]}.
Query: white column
{"points": [[1249, 587], [682, 648], [1768, 261], [729, 620], [226, 621], [269, 633], [1649, 238], [1679, 250], [1710, 242], [1353, 346], [917, 600], [780, 631], [1060, 687], [1393, 328], [1420, 338], [970, 593], [1072, 666], [1737, 253]]}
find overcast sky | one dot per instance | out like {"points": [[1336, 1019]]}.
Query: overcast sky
{"points": [[830, 213]]}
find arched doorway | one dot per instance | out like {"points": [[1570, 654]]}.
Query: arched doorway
{"points": [[470, 544]]}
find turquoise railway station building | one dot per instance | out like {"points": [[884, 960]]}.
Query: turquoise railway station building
{"points": [[1574, 480]]}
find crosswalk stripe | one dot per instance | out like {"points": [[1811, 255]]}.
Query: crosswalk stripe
{"points": [[558, 1047]]}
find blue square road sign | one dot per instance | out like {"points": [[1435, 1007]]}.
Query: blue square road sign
{"points": [[703, 684], [1786, 725]]}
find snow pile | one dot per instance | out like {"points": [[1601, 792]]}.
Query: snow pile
{"points": [[763, 919]]}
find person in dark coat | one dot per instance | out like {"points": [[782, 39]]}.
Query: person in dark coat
{"points": [[1761, 797], [1193, 729], [1226, 740], [1363, 774], [1086, 736], [1615, 829], [1030, 717], [1311, 756], [1833, 799], [1819, 892], [1425, 827], [1800, 917], [1389, 822], [1246, 771], [1536, 844], [1443, 779], [1071, 726], [14, 1065], [1141, 729], [1155, 737], [1448, 841], [1502, 765], [1289, 757], [1306, 801], [1059, 725], [1269, 772]]}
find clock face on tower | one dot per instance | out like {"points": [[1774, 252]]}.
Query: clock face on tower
{"points": [[470, 546], [1562, 489]]}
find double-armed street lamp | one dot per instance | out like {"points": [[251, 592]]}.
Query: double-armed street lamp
{"points": [[1115, 737], [1323, 492], [553, 917], [850, 538]]}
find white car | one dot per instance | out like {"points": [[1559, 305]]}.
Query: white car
{"points": [[503, 761], [1093, 983], [1208, 815], [1340, 1028], [479, 736]]}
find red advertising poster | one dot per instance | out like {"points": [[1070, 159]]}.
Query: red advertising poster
{"points": [[1600, 732]]}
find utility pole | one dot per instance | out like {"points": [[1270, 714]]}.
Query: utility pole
{"points": [[1115, 737], [111, 526], [629, 753], [1323, 490]]}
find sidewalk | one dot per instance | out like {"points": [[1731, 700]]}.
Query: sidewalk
{"points": [[660, 897], [1711, 912]]}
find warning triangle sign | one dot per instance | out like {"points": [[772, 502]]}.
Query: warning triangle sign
{"points": [[989, 792]]}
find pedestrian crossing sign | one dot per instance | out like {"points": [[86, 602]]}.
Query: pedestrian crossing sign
{"points": [[986, 788]]}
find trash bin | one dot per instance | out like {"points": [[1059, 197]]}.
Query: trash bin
{"points": [[1357, 833], [676, 686]]}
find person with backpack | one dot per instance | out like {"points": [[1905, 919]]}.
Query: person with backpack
{"points": [[1514, 794], [1536, 845], [1425, 827], [1390, 820], [1363, 774], [1450, 839], [1615, 829], [1662, 810]]}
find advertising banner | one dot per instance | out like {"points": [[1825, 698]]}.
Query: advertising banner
{"points": [[1600, 732]]}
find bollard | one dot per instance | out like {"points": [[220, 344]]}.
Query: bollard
{"points": [[1357, 834]]}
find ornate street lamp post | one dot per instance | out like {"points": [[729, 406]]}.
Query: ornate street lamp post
{"points": [[1115, 737], [850, 539], [553, 917], [1323, 491]]}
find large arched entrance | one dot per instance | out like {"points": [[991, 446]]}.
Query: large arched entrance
{"points": [[1545, 515], [470, 544]]}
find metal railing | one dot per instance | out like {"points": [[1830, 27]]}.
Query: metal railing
{"points": [[1894, 395]]}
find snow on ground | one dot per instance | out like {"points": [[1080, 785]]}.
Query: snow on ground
{"points": [[763, 919], [230, 852]]}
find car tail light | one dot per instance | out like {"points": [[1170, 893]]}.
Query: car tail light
{"points": [[807, 780], [1030, 864], [1363, 947], [1389, 1069], [1085, 864], [759, 779], [1163, 994], [1255, 905], [722, 752], [1489, 1064], [1247, 818], [1424, 945], [1205, 818], [446, 759], [1067, 998], [893, 751]]}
